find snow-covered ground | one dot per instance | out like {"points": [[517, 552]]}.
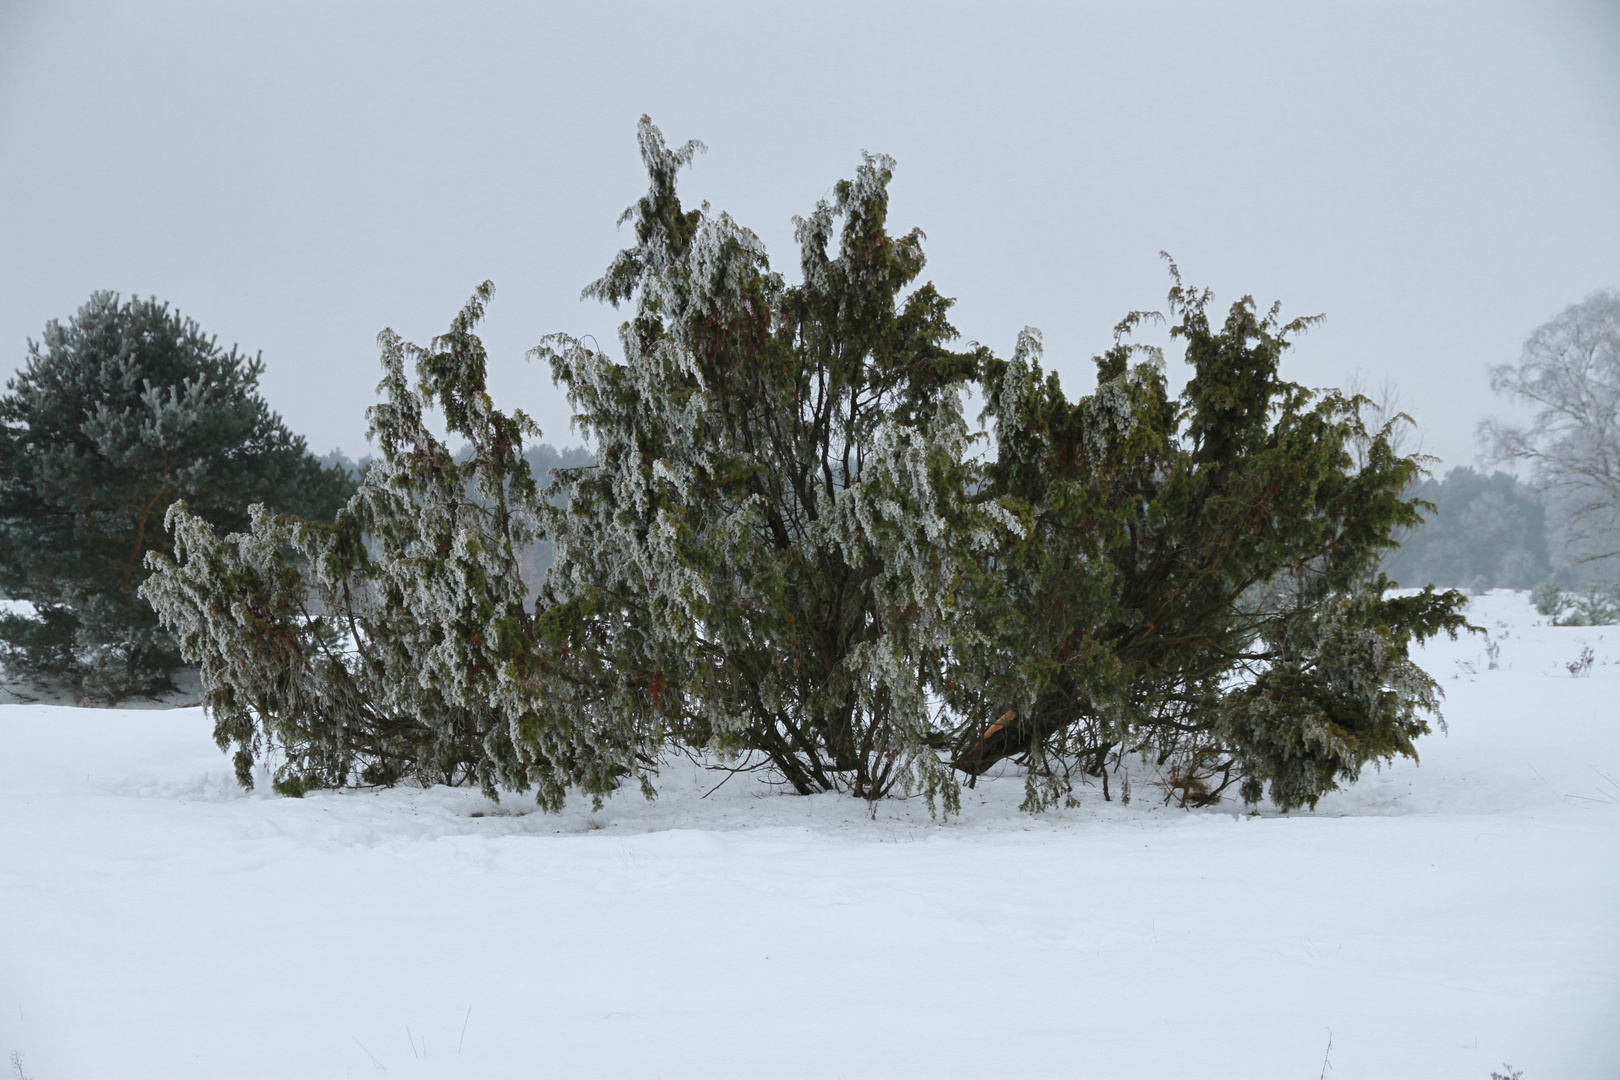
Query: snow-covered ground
{"points": [[1434, 921]]}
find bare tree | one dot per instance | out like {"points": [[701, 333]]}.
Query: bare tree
{"points": [[1382, 413], [1569, 373]]}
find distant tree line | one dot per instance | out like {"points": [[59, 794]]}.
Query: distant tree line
{"points": [[1484, 532]]}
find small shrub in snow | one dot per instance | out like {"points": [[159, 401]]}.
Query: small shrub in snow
{"points": [[1597, 605]]}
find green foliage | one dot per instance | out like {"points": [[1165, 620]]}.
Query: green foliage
{"points": [[396, 642], [1198, 582], [787, 549], [1596, 605], [773, 541], [116, 415]]}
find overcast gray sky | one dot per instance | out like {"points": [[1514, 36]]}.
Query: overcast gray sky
{"points": [[1437, 178]]}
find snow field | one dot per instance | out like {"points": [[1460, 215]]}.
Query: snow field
{"points": [[1438, 920]]}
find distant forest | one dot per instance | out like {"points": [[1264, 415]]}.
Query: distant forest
{"points": [[1485, 532]]}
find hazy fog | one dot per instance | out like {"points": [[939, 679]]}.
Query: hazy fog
{"points": [[1438, 179]]}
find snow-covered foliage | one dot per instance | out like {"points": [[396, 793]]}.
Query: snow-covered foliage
{"points": [[773, 546], [788, 555], [395, 642]]}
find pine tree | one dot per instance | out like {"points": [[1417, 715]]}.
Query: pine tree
{"points": [[120, 412]]}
